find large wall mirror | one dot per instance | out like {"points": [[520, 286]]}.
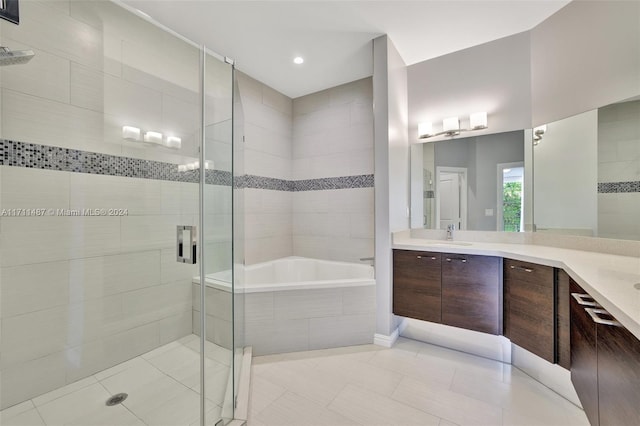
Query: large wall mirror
{"points": [[474, 183], [587, 173]]}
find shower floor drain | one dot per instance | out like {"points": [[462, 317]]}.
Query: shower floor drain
{"points": [[116, 399]]}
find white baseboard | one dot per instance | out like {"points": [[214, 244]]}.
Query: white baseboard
{"points": [[472, 342], [386, 341]]}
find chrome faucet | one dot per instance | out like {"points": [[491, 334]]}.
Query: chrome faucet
{"points": [[450, 229]]}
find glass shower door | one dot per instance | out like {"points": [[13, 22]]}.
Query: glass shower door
{"points": [[101, 140], [217, 254]]}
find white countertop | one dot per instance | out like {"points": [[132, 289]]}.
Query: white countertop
{"points": [[611, 280]]}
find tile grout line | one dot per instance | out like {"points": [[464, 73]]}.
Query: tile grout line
{"points": [[39, 413]]}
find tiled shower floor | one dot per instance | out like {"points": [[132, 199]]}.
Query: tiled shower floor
{"points": [[411, 384], [163, 387]]}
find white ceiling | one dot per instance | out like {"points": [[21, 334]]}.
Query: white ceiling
{"points": [[334, 37]]}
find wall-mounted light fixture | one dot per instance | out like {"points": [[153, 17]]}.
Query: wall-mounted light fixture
{"points": [[153, 137], [451, 126], [173, 142], [134, 134], [537, 134], [131, 133]]}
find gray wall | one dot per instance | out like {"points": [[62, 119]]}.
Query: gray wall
{"points": [[585, 56], [492, 77], [481, 156]]}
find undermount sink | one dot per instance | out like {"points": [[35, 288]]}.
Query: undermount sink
{"points": [[449, 243]]}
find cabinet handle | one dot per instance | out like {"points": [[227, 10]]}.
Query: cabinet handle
{"points": [[521, 268], [580, 299], [432, 258], [461, 260], [594, 314]]}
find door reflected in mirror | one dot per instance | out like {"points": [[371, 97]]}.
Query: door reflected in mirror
{"points": [[461, 182], [451, 197]]}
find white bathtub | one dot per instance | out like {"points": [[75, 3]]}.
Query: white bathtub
{"points": [[294, 273], [296, 304]]}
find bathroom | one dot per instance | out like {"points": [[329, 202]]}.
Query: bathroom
{"points": [[104, 131]]}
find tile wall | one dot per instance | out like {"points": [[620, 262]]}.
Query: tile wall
{"points": [[333, 137], [300, 320], [82, 293], [308, 184], [619, 171], [268, 171]]}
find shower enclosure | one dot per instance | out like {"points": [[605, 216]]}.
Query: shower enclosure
{"points": [[116, 194]]}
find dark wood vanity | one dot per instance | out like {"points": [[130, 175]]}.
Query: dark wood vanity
{"points": [[458, 290], [539, 308]]}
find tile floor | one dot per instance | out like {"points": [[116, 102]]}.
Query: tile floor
{"points": [[163, 387], [412, 383]]}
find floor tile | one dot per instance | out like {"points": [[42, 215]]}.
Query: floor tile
{"points": [[29, 417], [310, 383], [132, 379], [211, 416], [263, 393], [446, 404], [16, 409], [167, 405], [211, 350], [295, 410], [86, 407], [162, 387], [361, 374], [420, 368], [369, 408], [438, 386]]}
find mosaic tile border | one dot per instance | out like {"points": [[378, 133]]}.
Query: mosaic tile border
{"points": [[262, 182], [618, 187], [29, 155], [342, 182]]}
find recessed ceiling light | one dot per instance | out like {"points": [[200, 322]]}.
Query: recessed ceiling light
{"points": [[298, 60]]}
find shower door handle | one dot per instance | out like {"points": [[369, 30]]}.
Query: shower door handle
{"points": [[186, 244]]}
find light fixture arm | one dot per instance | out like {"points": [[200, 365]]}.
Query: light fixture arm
{"points": [[451, 126]]}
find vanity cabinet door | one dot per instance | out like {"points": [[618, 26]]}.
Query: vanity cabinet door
{"points": [[618, 375], [529, 307], [417, 285], [471, 292], [584, 356]]}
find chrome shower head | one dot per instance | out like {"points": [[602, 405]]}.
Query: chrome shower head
{"points": [[7, 57]]}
